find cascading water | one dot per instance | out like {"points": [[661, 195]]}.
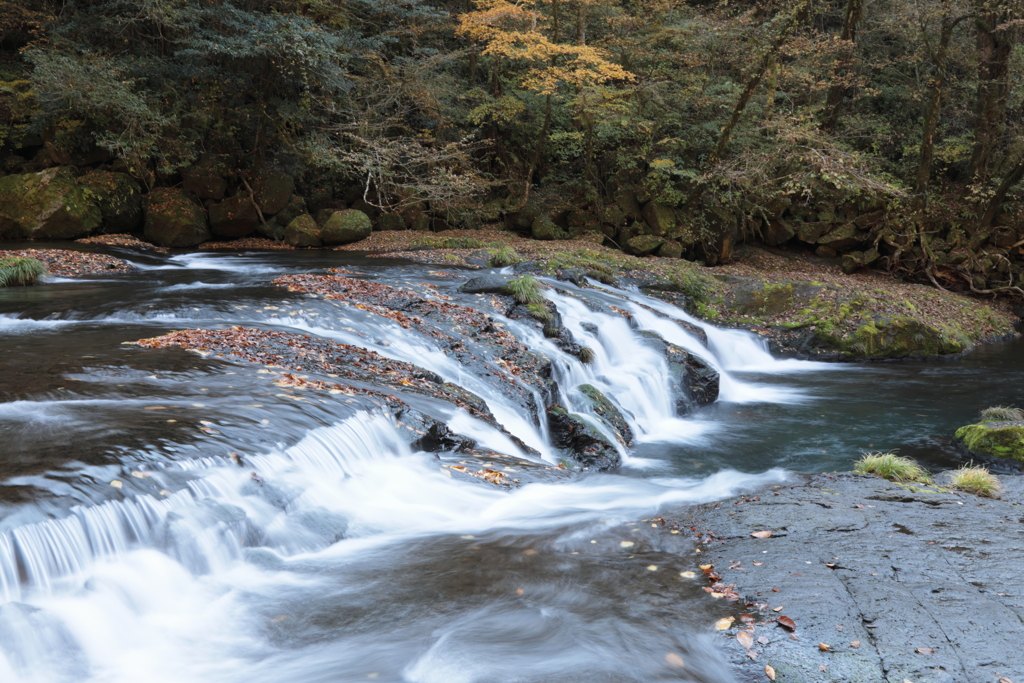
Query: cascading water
{"points": [[342, 554]]}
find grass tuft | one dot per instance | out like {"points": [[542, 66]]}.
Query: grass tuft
{"points": [[540, 312], [1002, 414], [976, 480], [506, 256], [586, 355], [892, 467], [526, 290], [19, 271]]}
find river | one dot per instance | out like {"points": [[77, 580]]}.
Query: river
{"points": [[133, 548]]}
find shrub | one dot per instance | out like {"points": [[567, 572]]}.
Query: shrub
{"points": [[506, 256], [586, 355], [526, 290], [976, 480], [892, 467], [17, 271], [1002, 414]]}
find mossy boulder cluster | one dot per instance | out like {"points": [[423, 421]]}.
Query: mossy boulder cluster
{"points": [[47, 205], [994, 439]]}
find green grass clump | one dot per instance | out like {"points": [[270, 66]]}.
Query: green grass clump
{"points": [[506, 256], [586, 355], [18, 271], [526, 290], [892, 467], [1002, 414], [976, 480], [540, 312]]}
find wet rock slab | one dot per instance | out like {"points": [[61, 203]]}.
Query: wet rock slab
{"points": [[900, 583]]}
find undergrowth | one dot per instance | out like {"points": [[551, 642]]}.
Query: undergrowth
{"points": [[504, 257], [1002, 414], [18, 271], [892, 467], [976, 480], [526, 290]]}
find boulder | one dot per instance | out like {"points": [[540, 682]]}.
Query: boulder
{"points": [[994, 439], [207, 178], [234, 217], [344, 227], [543, 228], [627, 202], [491, 211], [661, 218], [581, 440], [302, 232], [46, 205], [778, 232], [842, 238], [487, 284], [118, 197], [855, 260], [717, 245], [275, 227], [642, 245], [390, 221], [606, 410], [174, 219], [522, 220], [419, 222], [272, 191], [671, 249]]}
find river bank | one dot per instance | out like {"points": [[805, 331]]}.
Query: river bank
{"points": [[881, 581]]}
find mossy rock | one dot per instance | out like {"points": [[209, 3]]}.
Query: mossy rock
{"points": [[345, 227], [607, 411], [174, 219], [207, 178], [670, 249], [47, 205], [522, 220], [272, 191], [543, 228], [581, 440], [643, 245], [234, 217], [118, 197], [997, 439], [390, 221], [302, 232], [778, 232], [660, 217]]}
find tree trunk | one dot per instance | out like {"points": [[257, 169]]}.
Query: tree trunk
{"points": [[1011, 179], [994, 50], [581, 23], [837, 93]]}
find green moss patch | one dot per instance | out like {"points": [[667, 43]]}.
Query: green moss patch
{"points": [[998, 439]]}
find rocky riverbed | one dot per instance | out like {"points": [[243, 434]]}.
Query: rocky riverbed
{"points": [[863, 580]]}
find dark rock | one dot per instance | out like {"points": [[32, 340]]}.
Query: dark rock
{"points": [[234, 217], [522, 220], [487, 284], [272, 191], [670, 249], [778, 232], [302, 232], [642, 245], [344, 227], [543, 228], [439, 438], [207, 178], [173, 219], [994, 439], [661, 218], [390, 221], [118, 197], [581, 440], [825, 252], [697, 382], [601, 406], [46, 205]]}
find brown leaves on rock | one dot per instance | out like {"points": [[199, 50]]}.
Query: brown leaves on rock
{"points": [[769, 672], [761, 534], [925, 650], [745, 639], [64, 263], [786, 623]]}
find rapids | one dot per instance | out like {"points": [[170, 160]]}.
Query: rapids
{"points": [[134, 548]]}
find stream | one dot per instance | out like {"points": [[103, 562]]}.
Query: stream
{"points": [[134, 548]]}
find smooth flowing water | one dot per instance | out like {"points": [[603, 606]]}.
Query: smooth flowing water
{"points": [[133, 548]]}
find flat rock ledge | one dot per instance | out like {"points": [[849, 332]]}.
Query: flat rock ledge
{"points": [[883, 582]]}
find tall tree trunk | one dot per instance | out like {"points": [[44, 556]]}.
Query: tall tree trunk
{"points": [[940, 57], [581, 23], [837, 93], [1012, 178], [994, 49]]}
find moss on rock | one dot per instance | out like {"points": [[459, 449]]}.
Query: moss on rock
{"points": [[46, 205], [998, 439], [119, 199], [302, 232], [173, 219], [347, 226], [607, 411]]}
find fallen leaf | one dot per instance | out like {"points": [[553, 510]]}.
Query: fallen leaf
{"points": [[724, 623], [746, 618], [529, 551], [761, 534], [116, 484], [925, 651], [746, 640], [777, 609], [855, 644], [1005, 680], [823, 647], [751, 654], [786, 622], [769, 672], [519, 591], [652, 567], [757, 564], [822, 667], [706, 567], [763, 640], [674, 660], [830, 565], [687, 575], [626, 544]]}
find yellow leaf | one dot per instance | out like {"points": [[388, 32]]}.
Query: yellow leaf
{"points": [[687, 575], [761, 534], [823, 647], [769, 672], [672, 659], [116, 484], [746, 640], [724, 623]]}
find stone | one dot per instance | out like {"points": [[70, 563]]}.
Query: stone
{"points": [[994, 439], [345, 227], [607, 411], [420, 222], [543, 228], [642, 245], [825, 252], [842, 238], [627, 202], [671, 249], [491, 211], [207, 178], [47, 205], [581, 440], [119, 199], [717, 245], [660, 217], [390, 221], [778, 232], [295, 208], [302, 232], [487, 284], [522, 220], [810, 232], [234, 217], [174, 219], [273, 190]]}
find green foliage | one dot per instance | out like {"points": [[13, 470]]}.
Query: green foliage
{"points": [[540, 312], [504, 257], [19, 271], [586, 355], [976, 480], [526, 290], [1002, 414], [892, 467]]}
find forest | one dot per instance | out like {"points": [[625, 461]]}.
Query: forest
{"points": [[883, 131]]}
